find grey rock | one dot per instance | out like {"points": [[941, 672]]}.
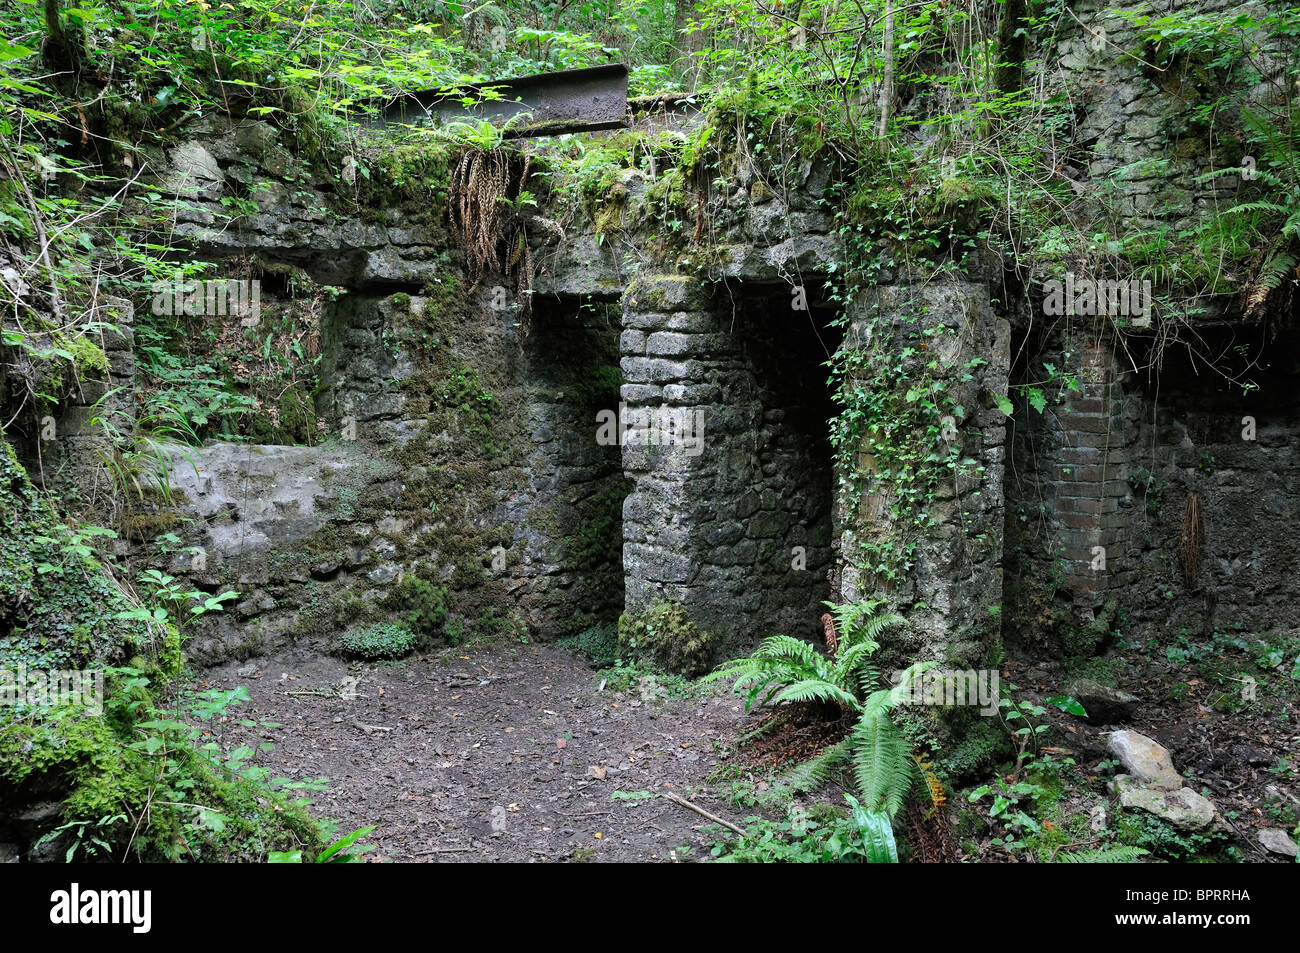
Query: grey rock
{"points": [[1146, 760], [1183, 807], [1104, 705], [193, 172], [1278, 841]]}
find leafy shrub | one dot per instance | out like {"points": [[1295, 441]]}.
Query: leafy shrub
{"points": [[665, 637], [859, 837], [383, 640], [422, 604]]}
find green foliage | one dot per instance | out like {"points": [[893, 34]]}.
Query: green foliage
{"points": [[339, 852], [1154, 834], [598, 540], [597, 644], [135, 779], [382, 640], [791, 670], [422, 604], [665, 637], [861, 836], [1103, 855], [785, 669], [891, 441]]}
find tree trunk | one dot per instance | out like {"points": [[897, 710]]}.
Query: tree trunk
{"points": [[886, 100], [688, 44], [1010, 68]]}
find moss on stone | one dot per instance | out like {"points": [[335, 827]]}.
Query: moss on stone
{"points": [[664, 637], [64, 613]]}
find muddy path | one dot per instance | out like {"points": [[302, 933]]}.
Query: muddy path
{"points": [[492, 754]]}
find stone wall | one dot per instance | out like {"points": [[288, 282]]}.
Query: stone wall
{"points": [[462, 445], [1100, 476], [1098, 491]]}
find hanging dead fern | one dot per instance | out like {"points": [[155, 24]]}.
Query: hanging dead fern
{"points": [[485, 203], [1193, 538], [828, 629], [930, 833]]}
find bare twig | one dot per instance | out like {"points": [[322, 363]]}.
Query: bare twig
{"points": [[678, 799]]}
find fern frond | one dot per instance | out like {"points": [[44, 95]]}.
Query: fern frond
{"points": [[874, 626], [815, 689], [1260, 206], [1268, 280], [811, 774], [882, 764], [788, 647], [1104, 855]]}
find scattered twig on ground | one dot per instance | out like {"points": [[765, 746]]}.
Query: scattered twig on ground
{"points": [[678, 799]]}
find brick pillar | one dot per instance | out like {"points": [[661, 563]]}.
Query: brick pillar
{"points": [[1091, 478]]}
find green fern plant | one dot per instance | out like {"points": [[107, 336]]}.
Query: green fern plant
{"points": [[1275, 217], [785, 669], [1126, 854]]}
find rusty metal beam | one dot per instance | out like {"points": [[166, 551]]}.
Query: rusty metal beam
{"points": [[548, 104]]}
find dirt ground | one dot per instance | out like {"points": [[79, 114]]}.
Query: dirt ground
{"points": [[524, 753], [495, 754]]}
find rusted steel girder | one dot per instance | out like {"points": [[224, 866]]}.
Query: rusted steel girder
{"points": [[548, 104]]}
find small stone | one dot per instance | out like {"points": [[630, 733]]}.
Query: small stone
{"points": [[1278, 842], [1104, 705], [1144, 759], [1183, 808]]}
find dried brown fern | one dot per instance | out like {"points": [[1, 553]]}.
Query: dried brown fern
{"points": [[933, 786], [828, 628], [1193, 538], [483, 192], [930, 834]]}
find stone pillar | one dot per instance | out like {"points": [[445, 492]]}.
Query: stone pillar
{"points": [[736, 528], [921, 343], [674, 356]]}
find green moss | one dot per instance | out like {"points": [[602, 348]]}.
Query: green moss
{"points": [[142, 527], [601, 387], [664, 636], [88, 357], [598, 540], [597, 643], [1141, 829], [61, 611], [1089, 637], [977, 745], [383, 640], [413, 177]]}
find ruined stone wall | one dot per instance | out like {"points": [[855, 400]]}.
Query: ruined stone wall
{"points": [[456, 443], [1100, 477], [1141, 118], [460, 440]]}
